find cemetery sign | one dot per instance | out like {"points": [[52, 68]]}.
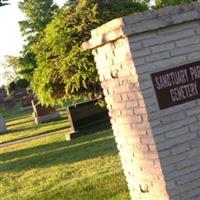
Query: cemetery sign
{"points": [[177, 85]]}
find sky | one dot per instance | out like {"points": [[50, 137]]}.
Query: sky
{"points": [[11, 41]]}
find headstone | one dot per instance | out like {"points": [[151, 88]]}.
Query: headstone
{"points": [[3, 95], [19, 94], [2, 125], [26, 103], [149, 67], [87, 117], [9, 104], [43, 114]]}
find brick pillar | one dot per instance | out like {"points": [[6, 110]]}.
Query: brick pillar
{"points": [[158, 144]]}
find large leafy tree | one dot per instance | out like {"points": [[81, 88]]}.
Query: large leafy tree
{"points": [[27, 63], [3, 2], [64, 70], [38, 14], [163, 3]]}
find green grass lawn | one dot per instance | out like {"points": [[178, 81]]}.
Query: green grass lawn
{"points": [[50, 168], [87, 168], [21, 124]]}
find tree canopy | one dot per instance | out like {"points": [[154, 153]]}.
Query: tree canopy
{"points": [[38, 15], [3, 2], [65, 70], [163, 3], [10, 72], [12, 87], [53, 58]]}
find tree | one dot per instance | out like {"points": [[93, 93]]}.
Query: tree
{"points": [[12, 87], [65, 70], [12, 61], [10, 72], [27, 63], [22, 83], [38, 14], [3, 2], [163, 3]]}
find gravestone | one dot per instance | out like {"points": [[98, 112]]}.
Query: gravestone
{"points": [[43, 114], [9, 104], [3, 95], [87, 117], [149, 67], [26, 103], [19, 94], [2, 125]]}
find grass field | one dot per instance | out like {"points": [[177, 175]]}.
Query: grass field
{"points": [[21, 124], [50, 168]]}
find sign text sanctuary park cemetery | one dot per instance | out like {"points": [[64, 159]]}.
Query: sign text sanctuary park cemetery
{"points": [[177, 85]]}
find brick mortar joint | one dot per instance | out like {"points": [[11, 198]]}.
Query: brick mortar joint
{"points": [[92, 44]]}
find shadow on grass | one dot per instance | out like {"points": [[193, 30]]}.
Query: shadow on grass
{"points": [[51, 131], [35, 126], [28, 115], [59, 152], [11, 127], [19, 122], [17, 116]]}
